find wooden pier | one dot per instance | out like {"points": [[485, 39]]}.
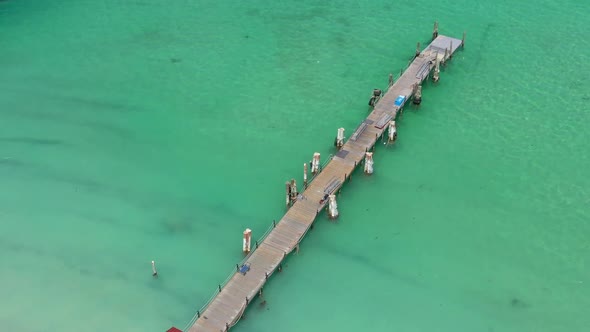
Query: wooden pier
{"points": [[226, 307]]}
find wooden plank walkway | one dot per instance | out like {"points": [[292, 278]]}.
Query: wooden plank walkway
{"points": [[228, 306]]}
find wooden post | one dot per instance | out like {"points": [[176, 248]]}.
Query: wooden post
{"points": [[463, 40], [287, 193], [451, 50], [435, 30], [293, 191], [390, 80], [436, 74], [417, 50]]}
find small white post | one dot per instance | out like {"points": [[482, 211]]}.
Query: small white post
{"points": [[247, 237], [369, 163], [340, 138], [392, 132], [332, 207], [315, 163], [154, 271], [304, 175]]}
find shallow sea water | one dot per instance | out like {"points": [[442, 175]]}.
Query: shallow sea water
{"points": [[160, 131]]}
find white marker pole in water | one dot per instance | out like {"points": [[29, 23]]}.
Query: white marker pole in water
{"points": [[315, 164], [340, 138], [154, 271], [305, 175], [369, 163], [332, 207], [392, 132], [246, 242]]}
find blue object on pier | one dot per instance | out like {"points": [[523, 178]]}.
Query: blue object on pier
{"points": [[245, 268], [399, 101]]}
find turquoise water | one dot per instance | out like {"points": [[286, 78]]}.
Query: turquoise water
{"points": [[161, 130]]}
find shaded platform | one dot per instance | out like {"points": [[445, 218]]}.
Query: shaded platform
{"points": [[228, 306]]}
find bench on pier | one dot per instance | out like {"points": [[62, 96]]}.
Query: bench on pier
{"points": [[423, 71], [330, 188], [245, 268], [383, 120], [358, 132], [332, 185]]}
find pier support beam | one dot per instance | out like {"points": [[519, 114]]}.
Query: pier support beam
{"points": [[369, 163], [332, 207], [392, 132], [339, 141], [315, 163]]}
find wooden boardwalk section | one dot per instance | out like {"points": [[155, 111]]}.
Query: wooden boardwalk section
{"points": [[229, 304]]}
